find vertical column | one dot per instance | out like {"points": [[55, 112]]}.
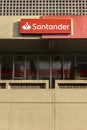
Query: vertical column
{"points": [[0, 65], [63, 67], [51, 45], [13, 68], [38, 66], [25, 68], [50, 71], [75, 61]]}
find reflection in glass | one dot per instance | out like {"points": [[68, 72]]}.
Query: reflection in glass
{"points": [[57, 68], [69, 66], [44, 66], [31, 66], [19, 66], [6, 66], [19, 70], [82, 66]]}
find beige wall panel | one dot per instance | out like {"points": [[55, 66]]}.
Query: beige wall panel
{"points": [[4, 116], [30, 116], [70, 95], [32, 95], [71, 116], [10, 27]]}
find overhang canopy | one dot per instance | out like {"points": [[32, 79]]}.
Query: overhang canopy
{"points": [[43, 45]]}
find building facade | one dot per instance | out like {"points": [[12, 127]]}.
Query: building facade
{"points": [[43, 73], [42, 7]]}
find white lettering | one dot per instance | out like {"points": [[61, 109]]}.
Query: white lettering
{"points": [[39, 27], [34, 26], [50, 27], [60, 27], [56, 27], [68, 27]]}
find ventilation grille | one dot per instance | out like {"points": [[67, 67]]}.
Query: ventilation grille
{"points": [[2, 85], [43, 7], [72, 85], [27, 85]]}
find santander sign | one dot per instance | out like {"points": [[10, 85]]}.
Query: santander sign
{"points": [[45, 26]]}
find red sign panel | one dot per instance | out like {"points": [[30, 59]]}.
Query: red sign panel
{"points": [[78, 27], [45, 26]]}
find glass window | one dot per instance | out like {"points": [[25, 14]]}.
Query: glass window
{"points": [[19, 70], [19, 66], [44, 66], [81, 66], [82, 70], [6, 67], [57, 67], [81, 58], [19, 58], [31, 66], [68, 66]]}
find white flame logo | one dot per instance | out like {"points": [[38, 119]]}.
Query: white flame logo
{"points": [[26, 26]]}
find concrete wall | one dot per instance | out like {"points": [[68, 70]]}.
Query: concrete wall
{"points": [[29, 116], [30, 109], [70, 107], [43, 109], [10, 27], [39, 109]]}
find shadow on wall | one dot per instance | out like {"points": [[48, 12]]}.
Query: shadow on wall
{"points": [[16, 31]]}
